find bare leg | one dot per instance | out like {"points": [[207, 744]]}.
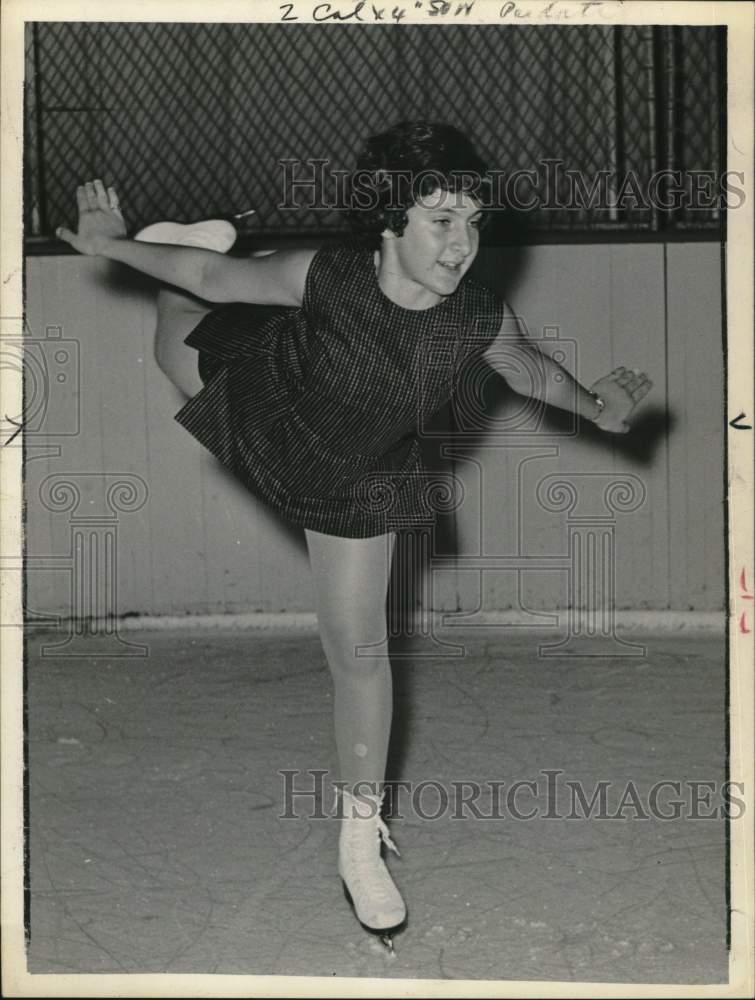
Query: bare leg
{"points": [[177, 315], [351, 581]]}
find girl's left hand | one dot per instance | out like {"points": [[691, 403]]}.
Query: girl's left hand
{"points": [[100, 218], [621, 391]]}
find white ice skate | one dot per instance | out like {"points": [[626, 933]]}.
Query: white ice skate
{"points": [[212, 234], [367, 882]]}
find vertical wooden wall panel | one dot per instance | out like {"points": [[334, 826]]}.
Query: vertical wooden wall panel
{"points": [[254, 560], [43, 585], [52, 308], [117, 354], [175, 497], [638, 339], [698, 422]]}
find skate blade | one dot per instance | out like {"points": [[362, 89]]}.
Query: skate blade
{"points": [[387, 941]]}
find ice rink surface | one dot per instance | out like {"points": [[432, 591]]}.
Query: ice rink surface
{"points": [[157, 843]]}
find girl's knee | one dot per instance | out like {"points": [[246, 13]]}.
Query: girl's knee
{"points": [[171, 301], [178, 363], [355, 651], [177, 315], [184, 377]]}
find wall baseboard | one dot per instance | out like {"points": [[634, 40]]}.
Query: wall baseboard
{"points": [[306, 621]]}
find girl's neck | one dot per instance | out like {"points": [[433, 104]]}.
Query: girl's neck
{"points": [[396, 288]]}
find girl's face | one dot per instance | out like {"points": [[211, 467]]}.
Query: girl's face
{"points": [[420, 268]]}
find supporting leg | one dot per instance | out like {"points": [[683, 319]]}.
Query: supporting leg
{"points": [[351, 582]]}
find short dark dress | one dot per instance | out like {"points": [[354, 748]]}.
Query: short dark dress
{"points": [[318, 410]]}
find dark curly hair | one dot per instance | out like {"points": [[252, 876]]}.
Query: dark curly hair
{"points": [[408, 162]]}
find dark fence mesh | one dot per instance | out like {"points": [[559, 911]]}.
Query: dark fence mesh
{"points": [[193, 120]]}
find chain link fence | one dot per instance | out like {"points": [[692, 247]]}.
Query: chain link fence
{"points": [[193, 120]]}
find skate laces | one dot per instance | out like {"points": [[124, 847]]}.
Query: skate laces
{"points": [[386, 837], [381, 829]]}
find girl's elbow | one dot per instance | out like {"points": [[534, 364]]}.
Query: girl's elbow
{"points": [[210, 293]]}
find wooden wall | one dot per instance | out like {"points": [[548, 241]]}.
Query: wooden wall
{"points": [[201, 544]]}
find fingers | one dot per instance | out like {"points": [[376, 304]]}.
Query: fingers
{"points": [[115, 205], [93, 195], [641, 389], [64, 234], [103, 201], [624, 377], [636, 383]]}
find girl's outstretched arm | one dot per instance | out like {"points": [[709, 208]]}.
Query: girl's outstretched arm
{"points": [[609, 401], [275, 280]]}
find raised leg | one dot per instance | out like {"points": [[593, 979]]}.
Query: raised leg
{"points": [[177, 315]]}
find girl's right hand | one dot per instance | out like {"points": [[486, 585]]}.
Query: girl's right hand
{"points": [[99, 219]]}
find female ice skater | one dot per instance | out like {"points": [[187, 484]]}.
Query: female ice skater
{"points": [[310, 383]]}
